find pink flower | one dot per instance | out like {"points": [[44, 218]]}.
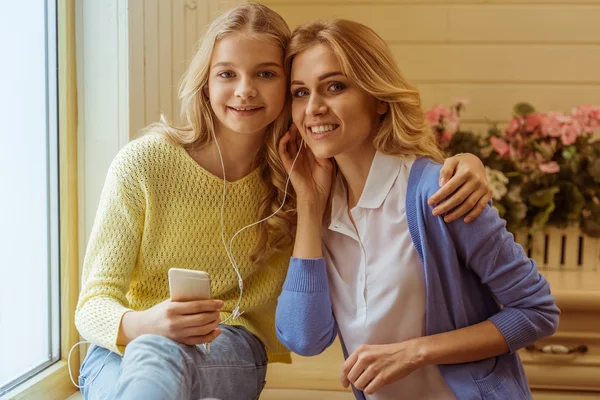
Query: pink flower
{"points": [[452, 122], [445, 137], [500, 146], [551, 124], [551, 167], [513, 127], [588, 117], [570, 130], [533, 121], [436, 114]]}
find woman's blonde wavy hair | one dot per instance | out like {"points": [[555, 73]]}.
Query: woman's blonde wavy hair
{"points": [[197, 131], [367, 60]]}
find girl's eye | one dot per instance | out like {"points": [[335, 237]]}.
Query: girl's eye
{"points": [[300, 93], [226, 74], [266, 74], [336, 87]]}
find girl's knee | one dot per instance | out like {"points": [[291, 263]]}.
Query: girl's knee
{"points": [[150, 342], [156, 345]]}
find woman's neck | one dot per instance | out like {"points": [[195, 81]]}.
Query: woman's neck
{"points": [[355, 167], [239, 153]]}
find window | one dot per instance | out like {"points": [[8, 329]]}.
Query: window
{"points": [[29, 169]]}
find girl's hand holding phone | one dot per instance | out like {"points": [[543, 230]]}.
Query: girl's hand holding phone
{"points": [[190, 322], [189, 317]]}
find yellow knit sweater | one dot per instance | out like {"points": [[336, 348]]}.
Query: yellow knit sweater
{"points": [[158, 210]]}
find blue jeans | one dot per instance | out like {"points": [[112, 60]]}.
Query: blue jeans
{"points": [[155, 367]]}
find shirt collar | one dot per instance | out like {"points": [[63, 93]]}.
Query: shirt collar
{"points": [[382, 175]]}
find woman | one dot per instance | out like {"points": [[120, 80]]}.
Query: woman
{"points": [[425, 309]]}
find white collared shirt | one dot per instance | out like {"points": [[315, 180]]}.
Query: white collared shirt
{"points": [[375, 274]]}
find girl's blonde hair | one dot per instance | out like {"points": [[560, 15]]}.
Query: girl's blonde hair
{"points": [[197, 131], [367, 60]]}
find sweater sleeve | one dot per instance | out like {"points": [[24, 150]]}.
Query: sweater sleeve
{"points": [[529, 311], [111, 256], [304, 318]]}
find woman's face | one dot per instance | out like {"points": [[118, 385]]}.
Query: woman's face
{"points": [[333, 114], [247, 83]]}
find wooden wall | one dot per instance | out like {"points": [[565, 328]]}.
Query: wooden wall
{"points": [[494, 53]]}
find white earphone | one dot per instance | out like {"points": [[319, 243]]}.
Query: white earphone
{"points": [[228, 250]]}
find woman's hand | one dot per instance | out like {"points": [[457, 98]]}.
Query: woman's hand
{"points": [[190, 322], [311, 176], [464, 188], [370, 367]]}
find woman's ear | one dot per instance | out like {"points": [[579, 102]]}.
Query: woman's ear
{"points": [[382, 107], [205, 91]]}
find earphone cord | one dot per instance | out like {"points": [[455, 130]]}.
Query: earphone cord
{"points": [[71, 373], [229, 251]]}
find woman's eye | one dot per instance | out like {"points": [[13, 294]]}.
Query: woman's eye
{"points": [[226, 74], [336, 87], [300, 93], [266, 74]]}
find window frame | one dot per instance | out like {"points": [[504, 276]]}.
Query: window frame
{"points": [[54, 382]]}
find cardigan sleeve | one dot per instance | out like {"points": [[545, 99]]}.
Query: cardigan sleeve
{"points": [[529, 311], [304, 318]]}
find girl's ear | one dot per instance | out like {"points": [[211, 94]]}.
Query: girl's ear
{"points": [[205, 91], [382, 107]]}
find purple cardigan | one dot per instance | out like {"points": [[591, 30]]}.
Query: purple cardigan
{"points": [[473, 272]]}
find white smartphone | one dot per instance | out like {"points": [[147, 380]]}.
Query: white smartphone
{"points": [[188, 284]]}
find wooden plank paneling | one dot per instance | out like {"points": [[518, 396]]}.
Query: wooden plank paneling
{"points": [[137, 70], [178, 53], [448, 48], [419, 22], [563, 23], [165, 58], [495, 101], [554, 248], [191, 36], [499, 63], [591, 253], [392, 22], [151, 35], [572, 248], [311, 3]]}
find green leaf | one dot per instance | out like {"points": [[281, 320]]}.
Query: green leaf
{"points": [[569, 152], [494, 131], [543, 197], [569, 205], [523, 109], [541, 149], [541, 218], [594, 170]]}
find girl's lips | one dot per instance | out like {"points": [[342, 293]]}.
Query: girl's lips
{"points": [[245, 113]]}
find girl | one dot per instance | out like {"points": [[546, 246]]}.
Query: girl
{"points": [[425, 309], [163, 206]]}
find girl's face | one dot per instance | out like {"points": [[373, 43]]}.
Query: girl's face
{"points": [[333, 114], [246, 84]]}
